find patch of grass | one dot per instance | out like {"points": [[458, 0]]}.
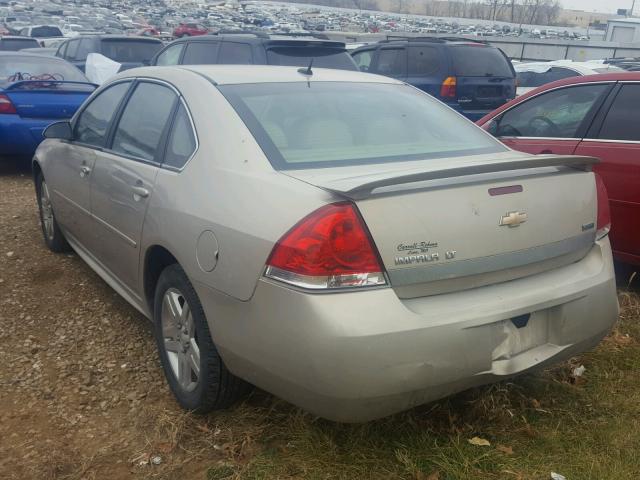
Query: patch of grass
{"points": [[584, 429]]}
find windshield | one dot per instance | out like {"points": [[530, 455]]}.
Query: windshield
{"points": [[15, 44], [323, 57], [531, 79], [16, 68], [480, 61], [325, 124], [136, 51]]}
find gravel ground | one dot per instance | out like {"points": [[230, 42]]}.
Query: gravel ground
{"points": [[82, 394], [78, 368]]}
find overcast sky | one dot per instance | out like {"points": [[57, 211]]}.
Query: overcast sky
{"points": [[608, 6]]}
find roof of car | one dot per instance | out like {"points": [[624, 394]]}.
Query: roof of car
{"points": [[259, 37], [17, 37], [243, 74], [583, 68], [118, 37]]}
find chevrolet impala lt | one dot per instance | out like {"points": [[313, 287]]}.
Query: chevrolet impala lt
{"points": [[337, 238]]}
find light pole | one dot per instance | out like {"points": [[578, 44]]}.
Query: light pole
{"points": [[633, 5]]}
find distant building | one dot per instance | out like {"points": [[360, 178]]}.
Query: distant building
{"points": [[623, 30], [580, 18]]}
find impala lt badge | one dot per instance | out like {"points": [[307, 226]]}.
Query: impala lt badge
{"points": [[513, 219]]}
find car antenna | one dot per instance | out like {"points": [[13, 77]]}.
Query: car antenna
{"points": [[307, 71]]}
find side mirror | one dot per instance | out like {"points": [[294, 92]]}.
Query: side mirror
{"points": [[60, 130]]}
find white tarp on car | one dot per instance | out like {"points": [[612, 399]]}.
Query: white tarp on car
{"points": [[99, 68]]}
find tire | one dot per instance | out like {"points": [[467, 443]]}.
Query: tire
{"points": [[53, 236], [213, 387]]}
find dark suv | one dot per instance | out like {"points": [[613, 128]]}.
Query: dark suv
{"points": [[257, 49], [472, 77], [130, 51]]}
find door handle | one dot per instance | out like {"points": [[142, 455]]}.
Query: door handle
{"points": [[84, 171], [545, 152], [140, 191]]}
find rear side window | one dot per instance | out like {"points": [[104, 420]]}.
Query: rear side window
{"points": [[556, 114], [622, 119], [93, 123], [86, 47], [182, 142], [200, 53], [423, 61], [235, 54], [536, 79], [143, 121], [480, 61], [171, 56], [363, 59], [301, 57], [392, 62]]}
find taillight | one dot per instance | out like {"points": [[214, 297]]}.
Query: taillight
{"points": [[448, 89], [330, 248], [5, 105], [603, 224]]}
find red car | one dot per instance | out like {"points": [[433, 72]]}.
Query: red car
{"points": [[189, 30], [596, 116]]}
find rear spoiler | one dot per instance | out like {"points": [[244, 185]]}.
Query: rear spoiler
{"points": [[364, 187], [35, 84]]}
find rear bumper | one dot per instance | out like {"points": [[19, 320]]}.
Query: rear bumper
{"points": [[20, 136], [362, 355]]}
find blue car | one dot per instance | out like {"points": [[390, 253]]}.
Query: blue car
{"points": [[470, 76], [35, 91]]}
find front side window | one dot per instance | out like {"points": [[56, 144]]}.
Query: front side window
{"points": [[92, 125], [235, 54], [392, 62], [72, 49], [143, 121], [621, 122], [171, 56], [555, 114], [325, 124], [182, 142], [200, 53]]}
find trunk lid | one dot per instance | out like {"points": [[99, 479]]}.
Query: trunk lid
{"points": [[48, 100], [462, 223]]}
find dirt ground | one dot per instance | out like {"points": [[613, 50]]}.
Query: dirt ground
{"points": [[82, 396], [79, 373]]}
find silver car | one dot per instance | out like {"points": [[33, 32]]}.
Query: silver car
{"points": [[339, 239]]}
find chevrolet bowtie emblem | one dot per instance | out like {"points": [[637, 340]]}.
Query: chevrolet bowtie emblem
{"points": [[513, 219]]}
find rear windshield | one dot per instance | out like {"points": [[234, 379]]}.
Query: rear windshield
{"points": [[325, 124], [16, 68], [14, 44], [324, 57], [45, 31], [480, 61], [130, 50]]}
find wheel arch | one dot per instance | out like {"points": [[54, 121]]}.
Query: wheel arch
{"points": [[156, 259]]}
